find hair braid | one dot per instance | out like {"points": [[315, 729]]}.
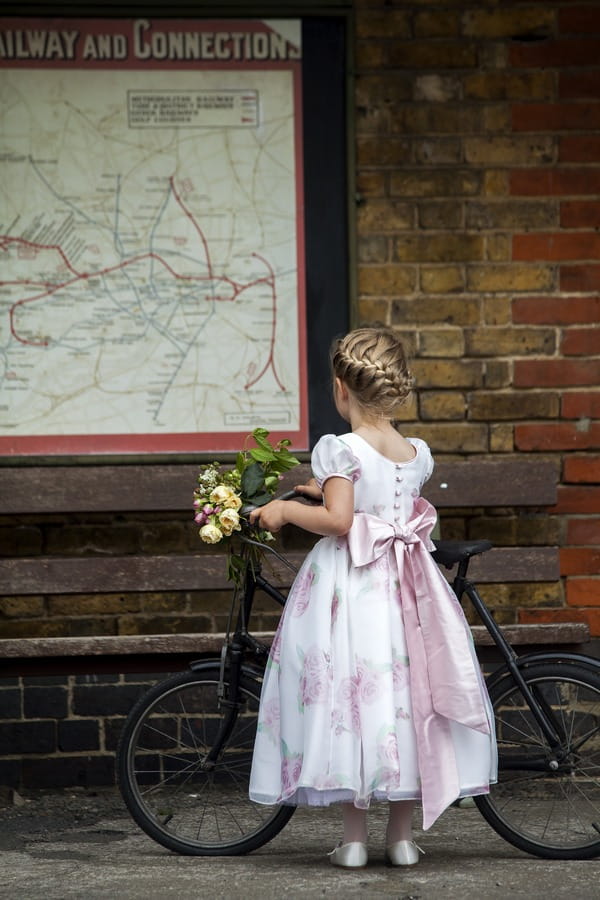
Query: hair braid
{"points": [[372, 364]]}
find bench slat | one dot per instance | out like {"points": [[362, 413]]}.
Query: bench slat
{"points": [[55, 575], [147, 644], [511, 481]]}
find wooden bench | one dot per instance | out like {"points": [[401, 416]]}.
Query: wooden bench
{"points": [[173, 652], [484, 483]]}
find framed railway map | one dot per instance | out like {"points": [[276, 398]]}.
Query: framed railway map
{"points": [[152, 276]]}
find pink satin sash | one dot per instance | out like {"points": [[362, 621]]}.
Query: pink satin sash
{"points": [[445, 681]]}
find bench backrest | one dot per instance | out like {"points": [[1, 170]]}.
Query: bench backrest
{"points": [[42, 490]]}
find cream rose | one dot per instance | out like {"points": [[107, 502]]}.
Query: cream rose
{"points": [[232, 502], [229, 521], [221, 494], [210, 534]]}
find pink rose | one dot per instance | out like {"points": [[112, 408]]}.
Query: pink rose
{"points": [[291, 767], [387, 751]]}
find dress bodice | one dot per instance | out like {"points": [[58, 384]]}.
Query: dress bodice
{"points": [[383, 488]]}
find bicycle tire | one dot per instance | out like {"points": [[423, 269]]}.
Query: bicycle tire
{"points": [[545, 803], [172, 796]]}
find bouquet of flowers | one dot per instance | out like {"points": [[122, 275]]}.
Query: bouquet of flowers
{"points": [[221, 496]]}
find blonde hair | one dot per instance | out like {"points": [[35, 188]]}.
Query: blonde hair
{"points": [[372, 364]]}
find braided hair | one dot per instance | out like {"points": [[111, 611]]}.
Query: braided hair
{"points": [[372, 365]]}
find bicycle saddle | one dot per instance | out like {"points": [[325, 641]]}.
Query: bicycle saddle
{"points": [[448, 553]]}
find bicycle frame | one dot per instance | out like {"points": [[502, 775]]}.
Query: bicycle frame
{"points": [[233, 655], [514, 663]]}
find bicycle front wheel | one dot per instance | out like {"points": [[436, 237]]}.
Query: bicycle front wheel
{"points": [[174, 790], [547, 801]]}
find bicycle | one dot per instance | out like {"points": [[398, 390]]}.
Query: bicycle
{"points": [[186, 749]]}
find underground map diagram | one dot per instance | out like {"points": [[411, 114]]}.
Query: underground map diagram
{"points": [[149, 275]]}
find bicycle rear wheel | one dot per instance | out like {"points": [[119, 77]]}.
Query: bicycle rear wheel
{"points": [[547, 802], [178, 797]]}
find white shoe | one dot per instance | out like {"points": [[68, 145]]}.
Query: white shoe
{"points": [[402, 853], [351, 856]]}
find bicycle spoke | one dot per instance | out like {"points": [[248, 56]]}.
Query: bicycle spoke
{"points": [[547, 800], [180, 799]]}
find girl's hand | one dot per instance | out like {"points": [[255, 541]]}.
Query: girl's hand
{"points": [[271, 516], [310, 490]]}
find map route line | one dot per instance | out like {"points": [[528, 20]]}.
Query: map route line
{"points": [[236, 288], [195, 224], [271, 357]]}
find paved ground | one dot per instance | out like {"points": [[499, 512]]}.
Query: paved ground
{"points": [[77, 844]]}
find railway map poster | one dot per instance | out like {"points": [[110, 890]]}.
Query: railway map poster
{"points": [[152, 287]]}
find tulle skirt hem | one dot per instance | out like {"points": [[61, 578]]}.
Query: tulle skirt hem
{"points": [[313, 797]]}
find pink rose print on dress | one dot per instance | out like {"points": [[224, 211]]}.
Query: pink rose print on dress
{"points": [[271, 712], [269, 718], [302, 588], [400, 672], [387, 750], [291, 768], [362, 688], [327, 783], [348, 713], [275, 654], [387, 775], [335, 603], [315, 679], [368, 682]]}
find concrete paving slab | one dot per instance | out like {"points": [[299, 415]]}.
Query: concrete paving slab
{"points": [[84, 846]]}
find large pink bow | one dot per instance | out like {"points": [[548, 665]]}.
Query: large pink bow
{"points": [[445, 681]]}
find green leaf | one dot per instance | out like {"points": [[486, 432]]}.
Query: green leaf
{"points": [[286, 462], [262, 455], [261, 499], [252, 480]]}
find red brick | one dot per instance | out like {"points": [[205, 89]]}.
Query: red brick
{"points": [[554, 182], [583, 148], [582, 469], [555, 116], [579, 560], [584, 531], [582, 592], [576, 84], [559, 436], [557, 246], [575, 52], [555, 310], [579, 20], [548, 615], [577, 500], [580, 213], [577, 404], [580, 278], [556, 372], [581, 342]]}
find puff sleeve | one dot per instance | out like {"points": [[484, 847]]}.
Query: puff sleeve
{"points": [[426, 461], [331, 456]]}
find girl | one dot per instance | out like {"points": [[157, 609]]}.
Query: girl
{"points": [[372, 690]]}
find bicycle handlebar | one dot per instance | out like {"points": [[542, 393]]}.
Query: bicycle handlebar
{"points": [[289, 495]]}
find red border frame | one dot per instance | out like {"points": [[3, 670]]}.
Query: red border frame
{"points": [[208, 442]]}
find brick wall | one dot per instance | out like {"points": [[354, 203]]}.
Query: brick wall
{"points": [[478, 174], [59, 731], [478, 180]]}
